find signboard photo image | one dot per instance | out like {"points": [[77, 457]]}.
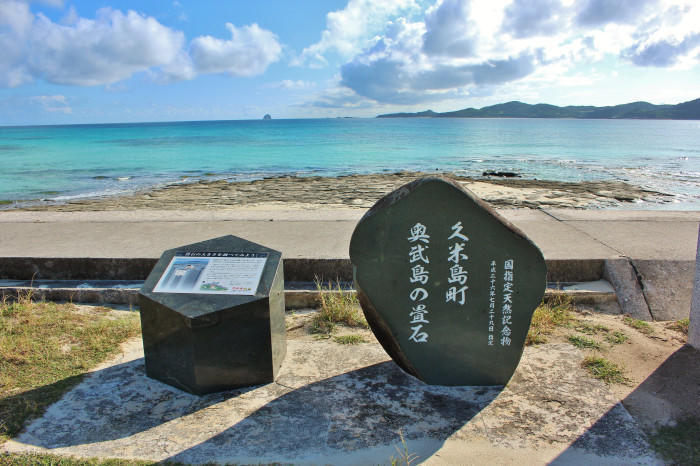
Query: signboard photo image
{"points": [[213, 273]]}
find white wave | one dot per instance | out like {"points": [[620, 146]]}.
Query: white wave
{"points": [[91, 194]]}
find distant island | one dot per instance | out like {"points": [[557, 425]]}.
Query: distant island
{"points": [[635, 110]]}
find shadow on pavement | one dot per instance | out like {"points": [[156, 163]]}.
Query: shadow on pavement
{"points": [[669, 394], [31, 403], [114, 403], [359, 410], [340, 415]]}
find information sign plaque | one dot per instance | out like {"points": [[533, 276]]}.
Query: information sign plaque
{"points": [[235, 273]]}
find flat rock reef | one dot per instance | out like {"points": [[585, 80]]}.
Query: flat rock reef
{"points": [[360, 191]]}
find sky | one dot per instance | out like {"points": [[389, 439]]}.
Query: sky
{"points": [[65, 62]]}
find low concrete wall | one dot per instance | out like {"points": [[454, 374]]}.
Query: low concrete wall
{"points": [[667, 286], [294, 299], [661, 289], [295, 270], [74, 268]]}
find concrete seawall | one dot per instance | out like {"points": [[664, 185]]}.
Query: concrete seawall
{"points": [[648, 256]]}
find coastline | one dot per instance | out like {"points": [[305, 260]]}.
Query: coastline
{"points": [[356, 191]]}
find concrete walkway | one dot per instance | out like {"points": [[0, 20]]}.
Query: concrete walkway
{"points": [[325, 233], [344, 406]]}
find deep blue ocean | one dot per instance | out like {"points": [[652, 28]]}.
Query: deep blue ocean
{"points": [[61, 163]]}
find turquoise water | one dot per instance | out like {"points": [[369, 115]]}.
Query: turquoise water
{"points": [[60, 163]]}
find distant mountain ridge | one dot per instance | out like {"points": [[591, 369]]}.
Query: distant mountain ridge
{"points": [[635, 110]]}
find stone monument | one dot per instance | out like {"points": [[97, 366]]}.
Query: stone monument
{"points": [[447, 285], [694, 328], [212, 316]]}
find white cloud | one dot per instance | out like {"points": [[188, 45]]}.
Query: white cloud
{"points": [[602, 12], [449, 30], [351, 29], [180, 68], [53, 3], [338, 97], [390, 81], [439, 58], [53, 103], [527, 18], [667, 39], [249, 52], [71, 17], [105, 50], [475, 47], [15, 25], [115, 45], [289, 84], [663, 53]]}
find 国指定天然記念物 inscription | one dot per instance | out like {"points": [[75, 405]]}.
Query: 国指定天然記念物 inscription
{"points": [[212, 316], [447, 285]]}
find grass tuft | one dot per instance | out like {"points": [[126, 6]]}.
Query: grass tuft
{"points": [[45, 348], [549, 315], [583, 342], [405, 458], [589, 329], [639, 325], [616, 338], [338, 306], [680, 326], [349, 339], [679, 444], [604, 370], [9, 459]]}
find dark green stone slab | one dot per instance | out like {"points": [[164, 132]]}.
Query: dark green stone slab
{"points": [[204, 343], [427, 260]]}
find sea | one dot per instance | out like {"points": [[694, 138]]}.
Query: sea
{"points": [[63, 163]]}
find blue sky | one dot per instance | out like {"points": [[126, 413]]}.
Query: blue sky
{"points": [[126, 61]]}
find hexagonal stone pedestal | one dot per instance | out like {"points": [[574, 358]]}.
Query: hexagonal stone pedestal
{"points": [[212, 316], [447, 285]]}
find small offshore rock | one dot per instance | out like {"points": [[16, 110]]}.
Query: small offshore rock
{"points": [[501, 174]]}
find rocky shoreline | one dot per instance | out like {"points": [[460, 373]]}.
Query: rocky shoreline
{"points": [[359, 191]]}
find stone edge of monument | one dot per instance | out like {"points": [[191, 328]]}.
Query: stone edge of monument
{"points": [[399, 193], [377, 324]]}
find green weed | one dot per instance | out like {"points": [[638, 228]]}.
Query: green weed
{"points": [[680, 326], [639, 325], [616, 338], [405, 458], [605, 370], [338, 306], [55, 460], [45, 348], [583, 342], [549, 315], [589, 329], [349, 339]]}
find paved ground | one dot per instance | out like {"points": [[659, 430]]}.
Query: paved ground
{"points": [[342, 407], [325, 233], [345, 405]]}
